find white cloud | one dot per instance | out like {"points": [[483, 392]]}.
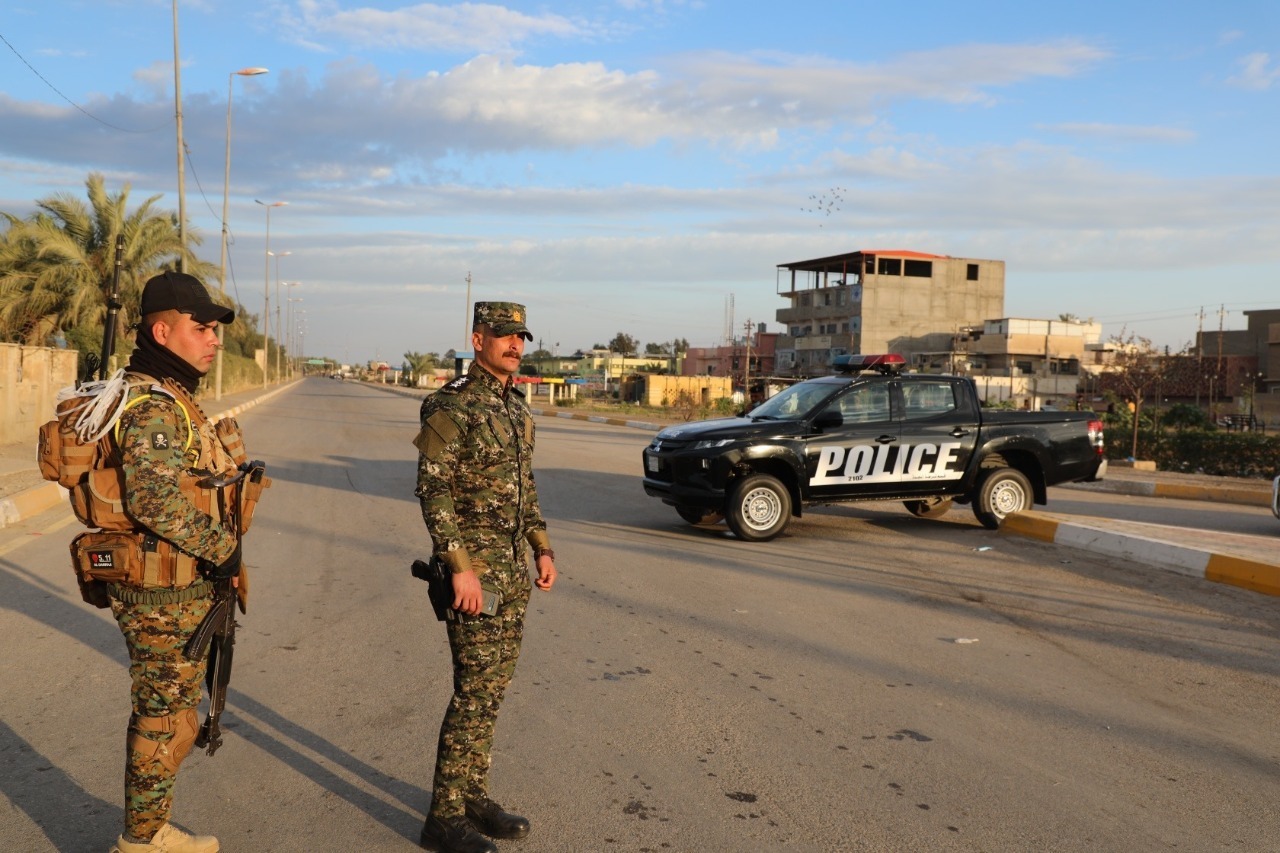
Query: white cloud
{"points": [[1122, 132], [1256, 72], [479, 27], [494, 104], [156, 78]]}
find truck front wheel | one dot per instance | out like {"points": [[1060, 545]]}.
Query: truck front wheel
{"points": [[758, 508], [1001, 492]]}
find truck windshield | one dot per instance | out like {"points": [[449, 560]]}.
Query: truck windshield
{"points": [[795, 402]]}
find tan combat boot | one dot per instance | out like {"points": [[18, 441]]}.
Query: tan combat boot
{"points": [[169, 839]]}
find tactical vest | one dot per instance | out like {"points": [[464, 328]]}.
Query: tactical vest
{"points": [[120, 551]]}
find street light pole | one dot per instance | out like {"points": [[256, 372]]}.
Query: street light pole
{"points": [[266, 288], [278, 256], [288, 329], [226, 190]]}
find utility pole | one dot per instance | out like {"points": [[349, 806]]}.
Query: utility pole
{"points": [[466, 316], [182, 166], [1200, 338], [1222, 312], [746, 365]]}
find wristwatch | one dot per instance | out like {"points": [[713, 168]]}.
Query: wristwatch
{"points": [[545, 552]]}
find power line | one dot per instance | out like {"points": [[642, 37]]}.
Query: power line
{"points": [[71, 102]]}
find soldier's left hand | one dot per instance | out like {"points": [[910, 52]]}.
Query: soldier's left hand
{"points": [[546, 572]]}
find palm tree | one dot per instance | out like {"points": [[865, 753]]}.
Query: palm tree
{"points": [[54, 264], [419, 363]]}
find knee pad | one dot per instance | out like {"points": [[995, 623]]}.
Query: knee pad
{"points": [[181, 727], [186, 725]]}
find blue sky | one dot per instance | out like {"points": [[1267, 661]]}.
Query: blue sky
{"points": [[632, 165]]}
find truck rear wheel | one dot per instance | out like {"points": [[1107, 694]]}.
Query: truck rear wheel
{"points": [[928, 507], [758, 508], [1001, 492], [698, 515]]}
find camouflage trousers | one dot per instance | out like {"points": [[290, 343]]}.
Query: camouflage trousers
{"points": [[485, 650], [164, 684]]}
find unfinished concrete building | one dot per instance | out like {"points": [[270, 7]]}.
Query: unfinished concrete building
{"points": [[886, 300]]}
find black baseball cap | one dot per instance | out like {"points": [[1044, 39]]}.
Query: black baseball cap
{"points": [[183, 293]]}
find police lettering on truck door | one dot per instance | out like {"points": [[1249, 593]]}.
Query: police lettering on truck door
{"points": [[884, 463]]}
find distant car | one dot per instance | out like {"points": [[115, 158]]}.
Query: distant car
{"points": [[1275, 497]]}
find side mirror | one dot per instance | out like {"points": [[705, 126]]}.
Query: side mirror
{"points": [[828, 419]]}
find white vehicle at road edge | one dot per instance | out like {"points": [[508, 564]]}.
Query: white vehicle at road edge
{"points": [[1275, 497]]}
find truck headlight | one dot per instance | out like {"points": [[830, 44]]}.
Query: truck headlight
{"points": [[710, 443]]}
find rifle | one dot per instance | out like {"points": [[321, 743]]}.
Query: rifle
{"points": [[216, 634], [113, 314]]}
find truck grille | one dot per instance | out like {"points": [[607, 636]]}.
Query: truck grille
{"points": [[669, 445]]}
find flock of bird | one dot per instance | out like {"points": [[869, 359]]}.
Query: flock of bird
{"points": [[825, 203]]}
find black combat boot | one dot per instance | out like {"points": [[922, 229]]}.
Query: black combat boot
{"points": [[490, 818], [453, 835]]}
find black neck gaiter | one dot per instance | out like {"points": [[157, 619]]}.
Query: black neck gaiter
{"points": [[156, 361]]}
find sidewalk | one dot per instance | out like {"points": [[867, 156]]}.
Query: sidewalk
{"points": [[1251, 562]]}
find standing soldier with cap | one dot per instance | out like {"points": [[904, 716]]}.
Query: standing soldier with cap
{"points": [[475, 483], [160, 586]]}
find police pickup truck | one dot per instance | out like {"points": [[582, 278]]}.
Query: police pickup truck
{"points": [[871, 432]]}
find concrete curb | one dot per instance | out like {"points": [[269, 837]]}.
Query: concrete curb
{"points": [[1192, 561], [46, 496], [1259, 496], [598, 419], [235, 410], [550, 413], [32, 501]]}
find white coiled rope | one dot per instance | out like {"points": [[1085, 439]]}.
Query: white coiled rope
{"points": [[104, 403]]}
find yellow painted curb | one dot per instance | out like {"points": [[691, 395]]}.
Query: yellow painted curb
{"points": [[1248, 574], [1211, 493], [30, 502], [1036, 527], [1149, 548]]}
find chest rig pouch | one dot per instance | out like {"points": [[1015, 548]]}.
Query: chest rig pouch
{"points": [[84, 458]]}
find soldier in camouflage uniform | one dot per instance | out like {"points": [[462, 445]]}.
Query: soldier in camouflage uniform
{"points": [[475, 483], [160, 450]]}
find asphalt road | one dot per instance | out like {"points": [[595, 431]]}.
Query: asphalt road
{"points": [[870, 681]]}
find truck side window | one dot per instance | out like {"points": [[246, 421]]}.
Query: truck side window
{"points": [[864, 404], [927, 399]]}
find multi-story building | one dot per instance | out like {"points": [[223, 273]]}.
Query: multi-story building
{"points": [[885, 300], [1255, 383], [1260, 340], [1033, 363]]}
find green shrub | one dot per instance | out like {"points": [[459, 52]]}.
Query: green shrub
{"points": [[1223, 454], [725, 407]]}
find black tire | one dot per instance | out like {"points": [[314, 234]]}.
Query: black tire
{"points": [[758, 508], [928, 507], [698, 515], [1001, 491]]}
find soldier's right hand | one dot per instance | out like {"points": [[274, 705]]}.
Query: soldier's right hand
{"points": [[228, 568], [468, 597]]}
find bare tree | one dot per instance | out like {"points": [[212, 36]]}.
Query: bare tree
{"points": [[1135, 369]]}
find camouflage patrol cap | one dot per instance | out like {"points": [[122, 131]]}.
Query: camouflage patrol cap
{"points": [[505, 318]]}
